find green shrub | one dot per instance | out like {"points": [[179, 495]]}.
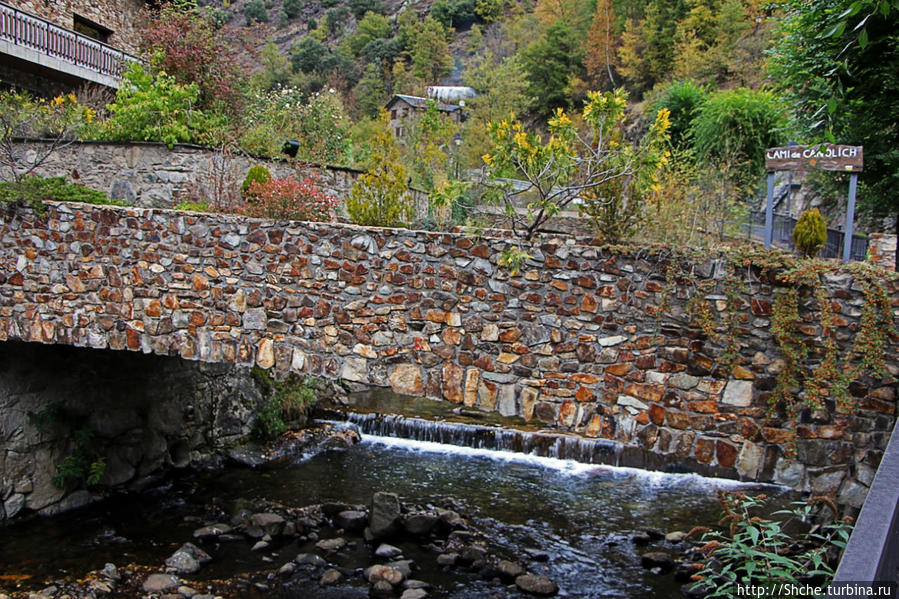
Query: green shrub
{"points": [[289, 401], [34, 191], [255, 11], [684, 100], [157, 108], [360, 7], [378, 198], [292, 8], [810, 233], [256, 174], [201, 206], [734, 127]]}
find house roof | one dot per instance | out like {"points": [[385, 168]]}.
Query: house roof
{"points": [[422, 103], [450, 93]]}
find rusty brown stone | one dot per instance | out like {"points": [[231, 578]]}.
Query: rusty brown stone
{"points": [[726, 453], [676, 419], [704, 450], [584, 394], [619, 369]]}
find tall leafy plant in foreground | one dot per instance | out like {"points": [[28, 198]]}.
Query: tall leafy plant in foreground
{"points": [[758, 551]]}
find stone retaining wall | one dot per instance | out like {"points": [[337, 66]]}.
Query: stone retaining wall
{"points": [[151, 175], [593, 340]]}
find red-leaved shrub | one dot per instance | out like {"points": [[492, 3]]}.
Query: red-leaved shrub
{"points": [[289, 199]]}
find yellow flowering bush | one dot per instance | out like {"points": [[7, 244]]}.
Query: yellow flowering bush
{"points": [[589, 166]]}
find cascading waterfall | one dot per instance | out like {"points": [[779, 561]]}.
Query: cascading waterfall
{"points": [[543, 444]]}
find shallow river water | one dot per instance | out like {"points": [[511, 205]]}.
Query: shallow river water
{"points": [[581, 515]]}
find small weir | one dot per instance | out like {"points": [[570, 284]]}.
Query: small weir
{"points": [[543, 444]]}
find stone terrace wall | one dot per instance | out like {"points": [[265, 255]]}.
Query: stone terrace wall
{"points": [[578, 340], [151, 175]]}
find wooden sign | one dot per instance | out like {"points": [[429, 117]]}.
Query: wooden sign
{"points": [[827, 157]]}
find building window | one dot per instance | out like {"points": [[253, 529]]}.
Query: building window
{"points": [[91, 29], [393, 114]]}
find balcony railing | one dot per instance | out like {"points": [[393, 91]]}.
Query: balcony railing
{"points": [[29, 31]]}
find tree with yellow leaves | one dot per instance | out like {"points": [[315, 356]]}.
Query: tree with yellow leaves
{"points": [[592, 167]]}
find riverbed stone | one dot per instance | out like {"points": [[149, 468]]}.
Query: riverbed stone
{"points": [[188, 559], [657, 559], [160, 583], [384, 514], [536, 585], [385, 551], [332, 545], [414, 594], [393, 576], [272, 524], [330, 576], [509, 570], [351, 520], [420, 523]]}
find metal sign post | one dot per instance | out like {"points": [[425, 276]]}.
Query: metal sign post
{"points": [[827, 157], [850, 218], [769, 212]]}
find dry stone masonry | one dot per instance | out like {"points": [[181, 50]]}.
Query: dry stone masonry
{"points": [[585, 339]]}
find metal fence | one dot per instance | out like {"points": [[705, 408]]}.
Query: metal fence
{"points": [[782, 236], [33, 32]]}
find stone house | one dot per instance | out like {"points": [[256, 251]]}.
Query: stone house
{"points": [[404, 110], [52, 47]]}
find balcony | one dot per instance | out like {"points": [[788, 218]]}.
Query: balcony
{"points": [[37, 46]]}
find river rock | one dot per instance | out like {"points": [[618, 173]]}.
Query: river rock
{"points": [[187, 559], [403, 565], [675, 537], [385, 511], [414, 594], [310, 559], [385, 551], [381, 572], [451, 519], [641, 538], [331, 576], [416, 584], [657, 559], [111, 572], [287, 569], [537, 555], [472, 554], [509, 570], [536, 585], [381, 588], [212, 531], [351, 520], [160, 583], [331, 545], [447, 559], [272, 524], [419, 523]]}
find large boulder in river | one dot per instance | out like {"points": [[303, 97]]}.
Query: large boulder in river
{"points": [[384, 513]]}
